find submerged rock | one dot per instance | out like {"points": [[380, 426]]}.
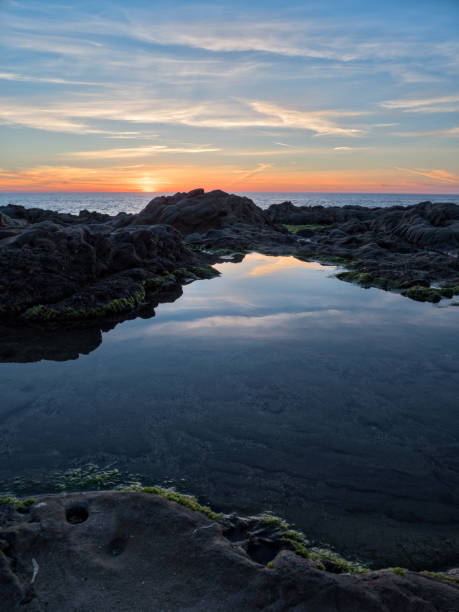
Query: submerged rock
{"points": [[125, 551]]}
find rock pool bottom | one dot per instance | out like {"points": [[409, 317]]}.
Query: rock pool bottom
{"points": [[274, 387]]}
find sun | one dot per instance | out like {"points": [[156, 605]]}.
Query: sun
{"points": [[147, 183]]}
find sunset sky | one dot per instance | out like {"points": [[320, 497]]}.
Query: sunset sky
{"points": [[244, 96]]}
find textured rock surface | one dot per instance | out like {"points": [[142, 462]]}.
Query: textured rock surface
{"points": [[92, 264], [395, 247], [80, 262], [197, 211], [121, 552]]}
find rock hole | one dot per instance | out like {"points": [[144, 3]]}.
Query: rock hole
{"points": [[117, 546], [76, 514], [236, 534], [261, 551]]}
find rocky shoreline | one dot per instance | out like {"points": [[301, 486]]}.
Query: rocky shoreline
{"points": [[57, 267], [154, 549]]}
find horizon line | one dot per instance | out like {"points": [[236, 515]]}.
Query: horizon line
{"points": [[235, 191]]}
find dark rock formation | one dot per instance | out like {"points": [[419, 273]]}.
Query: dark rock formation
{"points": [[57, 266], [60, 264], [197, 211], [396, 247], [115, 551], [214, 220]]}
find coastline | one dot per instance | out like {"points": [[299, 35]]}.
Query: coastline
{"points": [[57, 267]]}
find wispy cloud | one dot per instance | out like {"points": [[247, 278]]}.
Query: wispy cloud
{"points": [[248, 174], [12, 76], [424, 105], [140, 151], [75, 116], [315, 121], [437, 175], [451, 132]]}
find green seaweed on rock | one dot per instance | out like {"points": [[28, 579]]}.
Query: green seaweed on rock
{"points": [[294, 229], [440, 576], [88, 478], [189, 501], [422, 294], [18, 504]]}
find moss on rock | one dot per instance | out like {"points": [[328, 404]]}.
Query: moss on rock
{"points": [[423, 294], [18, 504]]}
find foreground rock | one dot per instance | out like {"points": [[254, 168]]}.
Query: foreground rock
{"points": [[120, 552]]}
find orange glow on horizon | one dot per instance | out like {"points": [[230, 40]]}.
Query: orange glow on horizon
{"points": [[143, 179]]}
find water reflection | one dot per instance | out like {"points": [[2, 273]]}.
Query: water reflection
{"points": [[265, 266], [331, 405]]}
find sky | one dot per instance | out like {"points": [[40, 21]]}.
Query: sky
{"points": [[330, 95]]}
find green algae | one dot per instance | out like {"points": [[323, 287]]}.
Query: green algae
{"points": [[18, 504], [440, 576], [49, 313], [204, 272], [90, 477], [420, 293], [294, 229], [189, 501], [399, 571], [342, 565], [298, 542], [41, 312]]}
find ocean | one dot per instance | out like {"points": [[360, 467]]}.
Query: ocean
{"points": [[113, 203]]}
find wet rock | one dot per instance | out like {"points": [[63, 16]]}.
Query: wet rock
{"points": [[395, 245], [136, 551], [83, 265], [60, 266]]}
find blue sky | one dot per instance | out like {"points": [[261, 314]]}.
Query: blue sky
{"points": [[294, 96]]}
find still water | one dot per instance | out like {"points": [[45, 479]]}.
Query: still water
{"points": [[273, 387]]}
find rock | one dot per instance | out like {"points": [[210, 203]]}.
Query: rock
{"points": [[44, 263], [119, 551], [197, 211], [57, 266], [395, 245]]}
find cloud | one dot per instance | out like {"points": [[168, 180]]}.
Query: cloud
{"points": [[315, 121], [453, 132], [12, 76], [342, 149], [424, 105], [140, 151], [437, 175], [75, 115], [248, 174], [52, 119]]}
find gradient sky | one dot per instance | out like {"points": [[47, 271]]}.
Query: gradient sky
{"points": [[245, 96]]}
